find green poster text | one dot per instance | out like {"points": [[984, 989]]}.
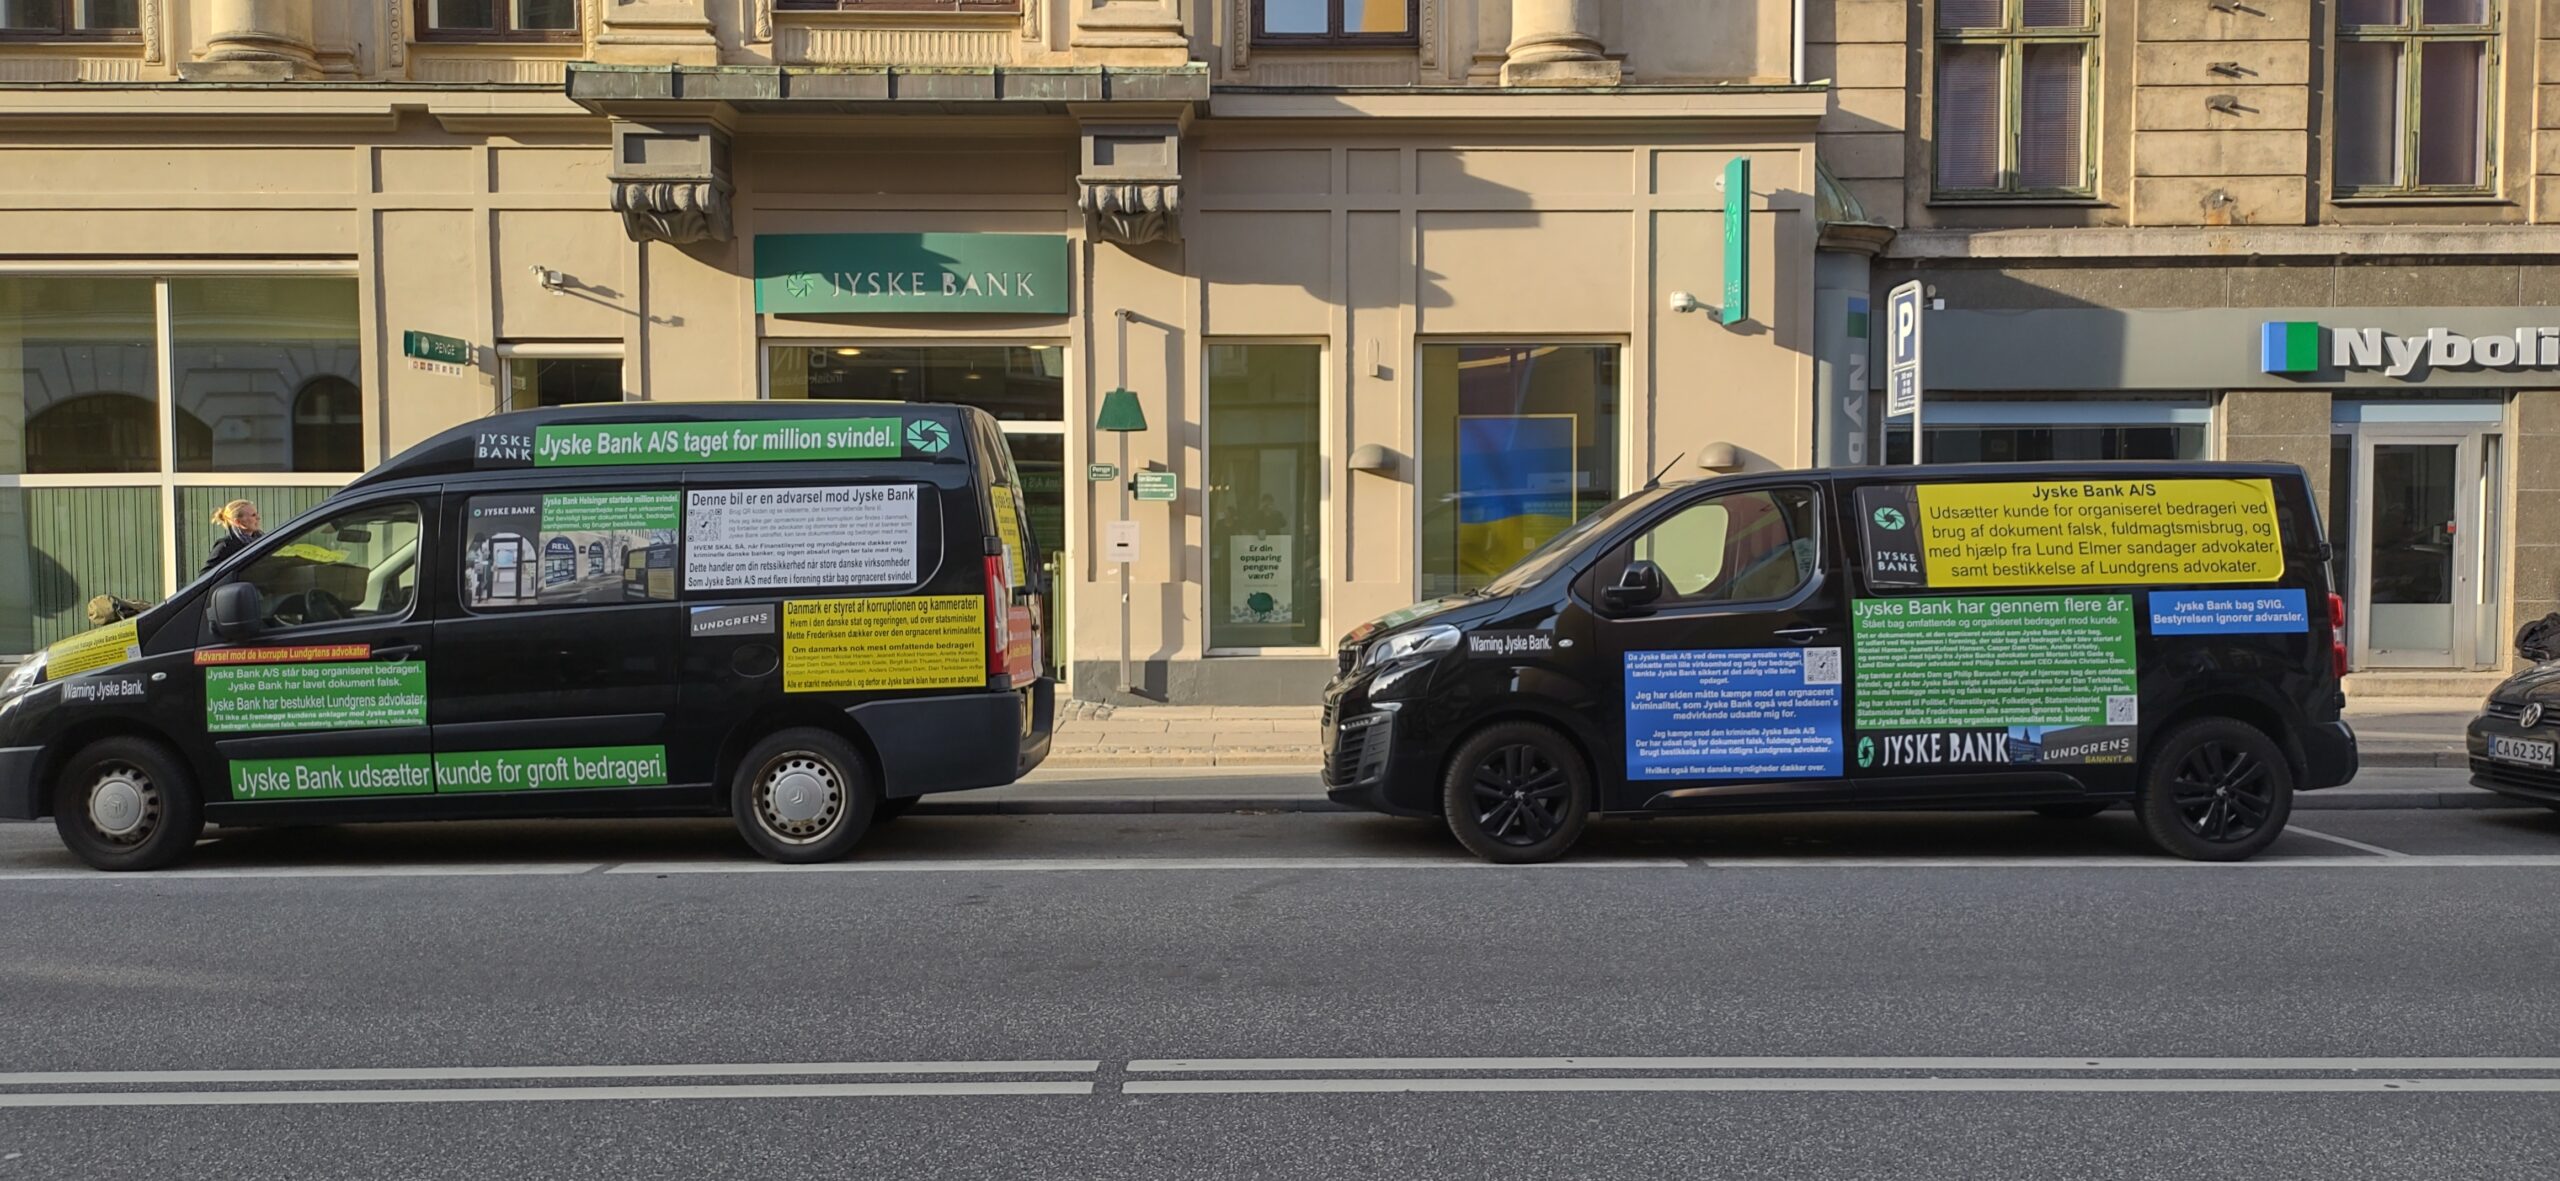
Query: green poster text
{"points": [[352, 695], [610, 512], [1971, 662], [544, 770], [311, 779], [597, 444]]}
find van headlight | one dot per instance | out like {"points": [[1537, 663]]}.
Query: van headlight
{"points": [[28, 675], [1407, 645]]}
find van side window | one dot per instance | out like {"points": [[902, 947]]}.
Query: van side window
{"points": [[360, 564], [1743, 547], [570, 549]]}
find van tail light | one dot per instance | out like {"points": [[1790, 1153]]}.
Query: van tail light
{"points": [[2338, 636], [999, 597]]}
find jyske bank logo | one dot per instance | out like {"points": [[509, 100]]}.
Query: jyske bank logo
{"points": [[1866, 752], [1889, 517], [928, 436]]}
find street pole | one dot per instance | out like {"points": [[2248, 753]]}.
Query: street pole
{"points": [[1128, 684]]}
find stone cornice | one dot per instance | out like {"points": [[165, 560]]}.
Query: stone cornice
{"points": [[2226, 242], [190, 107]]}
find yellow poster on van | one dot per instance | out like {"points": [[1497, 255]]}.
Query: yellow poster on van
{"points": [[907, 642], [2100, 532], [90, 650], [1009, 528]]}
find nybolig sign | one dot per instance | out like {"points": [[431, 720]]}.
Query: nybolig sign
{"points": [[823, 274]]}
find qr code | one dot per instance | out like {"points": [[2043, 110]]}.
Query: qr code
{"points": [[1822, 666], [2120, 710]]}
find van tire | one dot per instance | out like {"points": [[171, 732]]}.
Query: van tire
{"points": [[1517, 793], [2075, 810], [803, 795], [126, 804], [2215, 789]]}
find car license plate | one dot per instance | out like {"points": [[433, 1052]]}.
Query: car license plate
{"points": [[2532, 752]]}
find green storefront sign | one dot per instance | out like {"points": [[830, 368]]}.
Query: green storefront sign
{"points": [[1158, 486], [831, 274], [1993, 661], [594, 445], [355, 695], [427, 346]]}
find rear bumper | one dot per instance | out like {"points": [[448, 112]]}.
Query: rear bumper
{"points": [[2328, 755], [20, 796], [935, 744]]}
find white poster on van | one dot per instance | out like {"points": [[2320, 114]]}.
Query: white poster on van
{"points": [[752, 538]]}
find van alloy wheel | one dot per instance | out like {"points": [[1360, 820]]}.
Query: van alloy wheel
{"points": [[124, 805], [1521, 795], [799, 797], [2223, 793]]}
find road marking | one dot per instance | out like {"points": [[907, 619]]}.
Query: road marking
{"points": [[1347, 1086], [532, 1094], [73, 1078], [2334, 839], [1766, 1062], [2413, 861], [1123, 864], [493, 869]]}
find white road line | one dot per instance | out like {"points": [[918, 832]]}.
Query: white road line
{"points": [[491, 869], [1122, 864], [1766, 1062], [2334, 839], [1357, 1086], [2428, 861], [532, 1094], [75, 1078]]}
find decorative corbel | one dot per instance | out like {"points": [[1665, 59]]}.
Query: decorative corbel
{"points": [[1130, 188], [671, 182]]}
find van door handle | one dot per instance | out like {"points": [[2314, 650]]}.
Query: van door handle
{"points": [[394, 651], [1802, 635]]}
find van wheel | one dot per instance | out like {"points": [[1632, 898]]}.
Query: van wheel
{"points": [[2215, 790], [803, 795], [2075, 810], [127, 803], [1517, 793]]}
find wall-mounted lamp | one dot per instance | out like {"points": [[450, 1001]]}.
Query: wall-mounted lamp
{"points": [[555, 282], [1370, 457], [1720, 457]]}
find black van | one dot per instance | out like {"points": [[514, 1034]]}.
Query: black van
{"points": [[805, 615], [2059, 637]]}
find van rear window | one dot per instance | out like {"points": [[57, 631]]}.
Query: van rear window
{"points": [[2060, 533]]}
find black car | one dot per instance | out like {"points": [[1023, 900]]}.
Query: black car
{"points": [[2057, 637], [2513, 741]]}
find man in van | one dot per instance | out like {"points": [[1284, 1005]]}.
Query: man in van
{"points": [[2055, 637], [824, 632]]}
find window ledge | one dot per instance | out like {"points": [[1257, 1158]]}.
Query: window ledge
{"points": [[1997, 202], [1364, 48], [2404, 200]]}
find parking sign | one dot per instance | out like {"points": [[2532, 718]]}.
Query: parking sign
{"points": [[1902, 358]]}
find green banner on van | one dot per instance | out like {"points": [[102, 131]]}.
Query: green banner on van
{"points": [[616, 444], [545, 770], [325, 778]]}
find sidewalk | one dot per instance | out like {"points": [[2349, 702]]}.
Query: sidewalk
{"points": [[2391, 732]]}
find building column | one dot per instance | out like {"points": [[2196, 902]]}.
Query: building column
{"points": [[255, 41], [1557, 43], [1131, 32], [657, 33]]}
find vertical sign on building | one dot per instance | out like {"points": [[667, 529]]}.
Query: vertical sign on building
{"points": [[1902, 360], [1737, 241]]}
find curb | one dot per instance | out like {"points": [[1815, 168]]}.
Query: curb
{"points": [[1270, 760], [2342, 799]]}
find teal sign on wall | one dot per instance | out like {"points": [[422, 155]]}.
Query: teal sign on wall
{"points": [[836, 274], [1737, 241]]}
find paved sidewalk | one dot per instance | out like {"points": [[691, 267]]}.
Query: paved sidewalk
{"points": [[2391, 731]]}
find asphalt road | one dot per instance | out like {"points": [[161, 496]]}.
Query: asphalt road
{"points": [[1302, 995]]}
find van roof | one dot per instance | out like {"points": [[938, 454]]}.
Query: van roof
{"points": [[2066, 469], [615, 435]]}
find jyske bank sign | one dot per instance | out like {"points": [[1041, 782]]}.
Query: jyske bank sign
{"points": [[2302, 347]]}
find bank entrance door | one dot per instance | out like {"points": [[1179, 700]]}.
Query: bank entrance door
{"points": [[2424, 548], [1023, 386]]}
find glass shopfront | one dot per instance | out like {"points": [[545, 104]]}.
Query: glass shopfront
{"points": [[108, 479], [1266, 539], [2415, 520], [1519, 441]]}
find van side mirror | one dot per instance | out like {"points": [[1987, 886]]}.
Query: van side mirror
{"points": [[234, 611], [1639, 586]]}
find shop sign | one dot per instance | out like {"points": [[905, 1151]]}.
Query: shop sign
{"points": [[2295, 348], [833, 274], [1102, 473], [435, 354], [1158, 485]]}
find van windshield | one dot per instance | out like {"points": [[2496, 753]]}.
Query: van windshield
{"points": [[1565, 546]]}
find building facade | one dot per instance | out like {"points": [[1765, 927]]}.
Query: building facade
{"points": [[2317, 233], [1397, 286]]}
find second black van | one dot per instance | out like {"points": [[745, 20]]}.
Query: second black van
{"points": [[2049, 636]]}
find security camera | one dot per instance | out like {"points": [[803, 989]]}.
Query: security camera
{"points": [[552, 281], [1682, 301]]}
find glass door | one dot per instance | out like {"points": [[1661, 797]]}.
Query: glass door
{"points": [[2424, 568]]}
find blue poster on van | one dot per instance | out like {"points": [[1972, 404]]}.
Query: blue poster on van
{"points": [[2229, 612], [1747, 713]]}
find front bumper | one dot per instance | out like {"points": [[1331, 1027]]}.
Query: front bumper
{"points": [[2540, 785]]}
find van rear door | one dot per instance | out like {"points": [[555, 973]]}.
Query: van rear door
{"points": [[1728, 684]]}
